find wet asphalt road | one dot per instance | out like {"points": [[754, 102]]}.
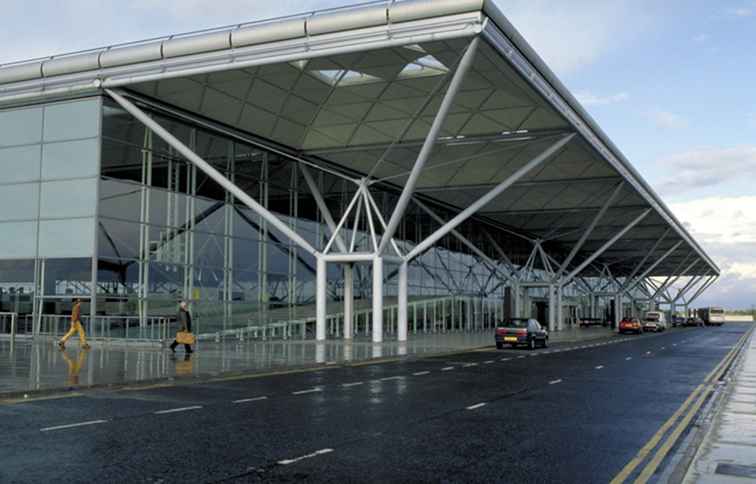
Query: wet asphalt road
{"points": [[564, 414]]}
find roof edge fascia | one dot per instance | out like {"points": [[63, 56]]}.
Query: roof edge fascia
{"points": [[600, 140]]}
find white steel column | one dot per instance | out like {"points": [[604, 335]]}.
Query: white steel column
{"points": [[377, 300], [403, 282], [430, 142], [552, 307], [617, 310], [348, 301], [560, 308], [320, 299], [516, 303]]}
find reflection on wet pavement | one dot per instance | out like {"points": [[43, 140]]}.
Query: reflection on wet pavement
{"points": [[30, 366]]}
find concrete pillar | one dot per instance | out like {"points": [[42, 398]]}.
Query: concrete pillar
{"points": [[402, 312], [321, 282], [617, 310], [378, 300], [348, 301], [560, 309]]}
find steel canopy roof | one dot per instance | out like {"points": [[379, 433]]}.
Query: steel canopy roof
{"points": [[360, 94]]}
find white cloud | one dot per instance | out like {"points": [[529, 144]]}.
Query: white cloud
{"points": [[720, 220], [726, 228], [701, 38], [589, 99], [740, 12], [667, 120], [572, 35], [706, 167]]}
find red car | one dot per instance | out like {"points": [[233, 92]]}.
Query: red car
{"points": [[630, 325]]}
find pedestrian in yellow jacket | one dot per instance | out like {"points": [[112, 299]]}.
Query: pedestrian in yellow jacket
{"points": [[76, 326]]}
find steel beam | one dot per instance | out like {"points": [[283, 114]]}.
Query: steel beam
{"points": [[487, 198], [653, 266], [467, 243], [430, 141], [608, 244], [320, 202], [590, 228], [211, 172]]}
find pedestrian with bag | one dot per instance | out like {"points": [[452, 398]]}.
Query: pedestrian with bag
{"points": [[184, 335], [76, 326]]}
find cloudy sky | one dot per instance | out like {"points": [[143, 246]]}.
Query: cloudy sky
{"points": [[671, 82]]}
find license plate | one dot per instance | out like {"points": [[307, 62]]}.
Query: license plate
{"points": [[510, 338]]}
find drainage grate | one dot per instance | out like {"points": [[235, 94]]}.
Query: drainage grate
{"points": [[736, 470]]}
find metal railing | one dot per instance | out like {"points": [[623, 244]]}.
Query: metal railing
{"points": [[155, 328], [436, 315], [9, 324]]}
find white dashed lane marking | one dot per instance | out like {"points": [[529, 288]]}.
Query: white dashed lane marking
{"points": [[477, 405], [286, 462], [388, 378], [73, 425], [505, 359], [304, 392], [554, 382], [246, 400], [176, 410], [488, 362], [447, 368], [421, 373], [468, 365], [347, 385], [599, 367], [628, 358]]}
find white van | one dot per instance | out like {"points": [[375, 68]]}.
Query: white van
{"points": [[654, 321]]}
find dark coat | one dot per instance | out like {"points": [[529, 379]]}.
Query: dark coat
{"points": [[185, 320]]}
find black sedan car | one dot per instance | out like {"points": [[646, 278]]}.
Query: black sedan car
{"points": [[521, 331]]}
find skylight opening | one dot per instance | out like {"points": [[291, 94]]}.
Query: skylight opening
{"points": [[426, 66]]}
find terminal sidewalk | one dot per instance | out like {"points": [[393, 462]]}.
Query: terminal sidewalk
{"points": [[39, 367], [728, 451]]}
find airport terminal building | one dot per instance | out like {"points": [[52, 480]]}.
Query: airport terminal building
{"points": [[373, 171]]}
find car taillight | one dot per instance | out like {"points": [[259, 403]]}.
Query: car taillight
{"points": [[522, 332]]}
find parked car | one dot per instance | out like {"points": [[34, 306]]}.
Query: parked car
{"points": [[521, 331], [694, 322], [654, 325], [586, 322], [630, 325], [678, 321]]}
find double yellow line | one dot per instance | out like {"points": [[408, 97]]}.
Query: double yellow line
{"points": [[699, 396]]}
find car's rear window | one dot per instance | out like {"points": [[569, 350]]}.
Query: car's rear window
{"points": [[514, 323], [652, 317]]}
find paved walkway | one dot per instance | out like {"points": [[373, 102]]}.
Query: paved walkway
{"points": [[728, 453], [30, 366]]}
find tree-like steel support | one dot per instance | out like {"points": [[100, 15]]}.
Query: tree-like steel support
{"points": [[430, 141]]}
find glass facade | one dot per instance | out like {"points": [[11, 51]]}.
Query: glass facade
{"points": [[49, 160], [94, 202]]}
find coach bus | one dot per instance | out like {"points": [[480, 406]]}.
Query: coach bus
{"points": [[712, 316]]}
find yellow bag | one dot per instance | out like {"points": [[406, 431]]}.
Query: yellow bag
{"points": [[184, 338]]}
